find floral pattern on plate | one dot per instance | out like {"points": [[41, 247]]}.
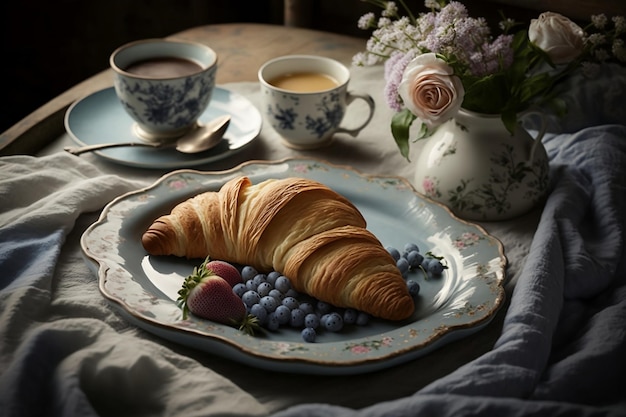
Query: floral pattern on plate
{"points": [[459, 303]]}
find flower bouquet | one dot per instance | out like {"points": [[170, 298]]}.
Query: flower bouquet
{"points": [[443, 60]]}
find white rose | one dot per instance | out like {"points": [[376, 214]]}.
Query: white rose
{"points": [[558, 36], [430, 90]]}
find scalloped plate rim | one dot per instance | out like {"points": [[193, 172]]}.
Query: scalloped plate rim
{"points": [[226, 345]]}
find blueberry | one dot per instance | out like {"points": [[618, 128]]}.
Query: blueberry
{"points": [[350, 315], [240, 289], [435, 267], [307, 307], [264, 289], [308, 334], [291, 303], [277, 295], [312, 320], [362, 319], [259, 278], [250, 298], [403, 266], [297, 318], [250, 285], [269, 303], [283, 314], [323, 307], [248, 272], [333, 322], [271, 277], [415, 259], [395, 253], [272, 322], [413, 286], [292, 293], [260, 313], [282, 284], [410, 247]]}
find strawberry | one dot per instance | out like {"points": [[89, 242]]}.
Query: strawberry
{"points": [[224, 270], [209, 296]]}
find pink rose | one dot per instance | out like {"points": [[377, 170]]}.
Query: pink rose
{"points": [[430, 90], [559, 37]]}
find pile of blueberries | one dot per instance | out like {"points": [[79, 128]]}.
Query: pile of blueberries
{"points": [[412, 260], [272, 300]]}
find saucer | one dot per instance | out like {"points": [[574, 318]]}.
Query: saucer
{"points": [[100, 118]]}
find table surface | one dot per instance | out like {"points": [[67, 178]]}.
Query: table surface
{"points": [[242, 49]]}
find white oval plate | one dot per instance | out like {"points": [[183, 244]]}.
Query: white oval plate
{"points": [[100, 118], [455, 305]]}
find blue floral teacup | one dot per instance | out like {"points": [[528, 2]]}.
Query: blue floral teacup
{"points": [[305, 97], [164, 85]]}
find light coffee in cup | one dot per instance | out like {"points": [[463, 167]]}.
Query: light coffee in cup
{"points": [[304, 82], [305, 98], [164, 85]]}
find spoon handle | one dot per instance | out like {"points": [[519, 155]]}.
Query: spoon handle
{"points": [[77, 150]]}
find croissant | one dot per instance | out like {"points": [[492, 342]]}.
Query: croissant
{"points": [[311, 234]]}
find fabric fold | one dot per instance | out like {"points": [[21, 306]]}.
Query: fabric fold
{"points": [[574, 278], [63, 352]]}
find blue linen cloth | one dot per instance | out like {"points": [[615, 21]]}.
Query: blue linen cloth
{"points": [[63, 350], [562, 350]]}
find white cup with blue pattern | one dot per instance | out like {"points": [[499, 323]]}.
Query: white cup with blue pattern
{"points": [[164, 85], [305, 97]]}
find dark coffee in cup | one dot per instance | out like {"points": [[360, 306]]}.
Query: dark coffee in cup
{"points": [[164, 85]]}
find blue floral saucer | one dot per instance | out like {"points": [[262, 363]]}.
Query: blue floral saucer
{"points": [[100, 118]]}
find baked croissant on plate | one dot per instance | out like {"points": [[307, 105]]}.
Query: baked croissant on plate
{"points": [[299, 227]]}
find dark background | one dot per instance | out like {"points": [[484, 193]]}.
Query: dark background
{"points": [[49, 46]]}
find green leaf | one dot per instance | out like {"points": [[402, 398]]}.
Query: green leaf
{"points": [[509, 118], [400, 126], [558, 106], [485, 95], [535, 86], [519, 41]]}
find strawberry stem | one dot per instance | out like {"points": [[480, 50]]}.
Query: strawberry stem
{"points": [[198, 274], [248, 325]]}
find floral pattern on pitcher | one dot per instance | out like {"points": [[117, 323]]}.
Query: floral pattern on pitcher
{"points": [[430, 186], [495, 193], [480, 171]]}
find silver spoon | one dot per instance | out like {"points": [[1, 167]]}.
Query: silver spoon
{"points": [[200, 139]]}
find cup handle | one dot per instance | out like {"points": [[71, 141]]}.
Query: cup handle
{"points": [[350, 97], [540, 133]]}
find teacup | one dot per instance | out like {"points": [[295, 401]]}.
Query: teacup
{"points": [[305, 98], [164, 85]]}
